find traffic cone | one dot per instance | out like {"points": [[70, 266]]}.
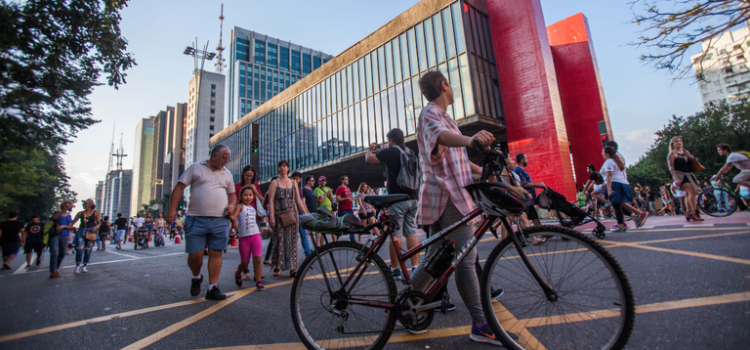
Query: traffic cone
{"points": [[176, 239]]}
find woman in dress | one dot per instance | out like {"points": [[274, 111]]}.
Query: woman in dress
{"points": [[284, 195], [249, 178], [679, 165], [161, 225]]}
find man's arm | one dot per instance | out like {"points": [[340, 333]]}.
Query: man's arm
{"points": [[475, 169], [725, 169], [370, 157], [232, 199], [174, 199], [587, 186], [452, 139]]}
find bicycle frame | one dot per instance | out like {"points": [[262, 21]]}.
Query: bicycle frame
{"points": [[358, 271]]}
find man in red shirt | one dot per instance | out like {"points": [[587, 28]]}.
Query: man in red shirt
{"points": [[344, 200]]}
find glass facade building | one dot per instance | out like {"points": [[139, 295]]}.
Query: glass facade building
{"points": [[359, 99], [261, 67]]}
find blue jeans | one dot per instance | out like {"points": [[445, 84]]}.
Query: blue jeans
{"points": [[341, 214], [722, 199], [83, 246], [305, 243], [58, 246]]}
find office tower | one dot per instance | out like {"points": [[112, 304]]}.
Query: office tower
{"points": [[142, 163]]}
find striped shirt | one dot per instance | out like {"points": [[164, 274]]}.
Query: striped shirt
{"points": [[446, 169]]}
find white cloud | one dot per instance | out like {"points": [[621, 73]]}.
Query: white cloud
{"points": [[634, 144], [85, 170]]}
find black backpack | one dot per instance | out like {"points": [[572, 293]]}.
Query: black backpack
{"points": [[409, 176]]}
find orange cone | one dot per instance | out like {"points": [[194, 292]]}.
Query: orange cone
{"points": [[176, 239]]}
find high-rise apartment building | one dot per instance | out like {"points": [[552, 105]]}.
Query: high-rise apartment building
{"points": [[161, 134], [98, 194], [261, 66], [722, 70], [174, 159], [117, 194], [142, 163], [205, 114]]}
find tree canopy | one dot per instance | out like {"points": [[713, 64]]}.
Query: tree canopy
{"points": [[52, 55], [671, 27], [701, 132]]}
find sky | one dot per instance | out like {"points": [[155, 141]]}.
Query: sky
{"points": [[640, 99]]}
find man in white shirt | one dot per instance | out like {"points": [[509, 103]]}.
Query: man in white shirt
{"points": [[212, 198], [737, 159]]}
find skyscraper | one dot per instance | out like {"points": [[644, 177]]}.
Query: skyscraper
{"points": [[98, 194], [205, 114], [161, 132], [142, 163], [118, 187], [261, 66], [176, 151]]}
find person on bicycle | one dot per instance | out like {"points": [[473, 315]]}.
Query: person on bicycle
{"points": [[595, 185], [443, 199], [737, 159]]}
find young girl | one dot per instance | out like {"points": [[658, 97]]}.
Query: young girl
{"points": [[244, 218]]}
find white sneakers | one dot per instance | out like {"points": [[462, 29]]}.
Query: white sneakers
{"points": [[77, 270], [84, 270], [80, 269]]}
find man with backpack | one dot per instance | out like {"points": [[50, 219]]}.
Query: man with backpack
{"points": [[402, 175], [740, 159]]}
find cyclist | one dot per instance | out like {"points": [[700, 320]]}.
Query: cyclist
{"points": [[595, 185], [738, 159], [443, 199]]}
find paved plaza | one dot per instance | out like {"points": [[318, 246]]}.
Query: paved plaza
{"points": [[691, 283]]}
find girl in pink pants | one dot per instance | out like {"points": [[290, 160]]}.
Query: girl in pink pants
{"points": [[250, 243]]}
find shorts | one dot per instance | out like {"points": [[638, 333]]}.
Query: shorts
{"points": [[10, 248], [341, 213], [250, 245], [36, 247], [363, 216], [621, 193], [600, 189], [204, 231], [119, 235], [405, 214], [742, 176], [531, 213]]}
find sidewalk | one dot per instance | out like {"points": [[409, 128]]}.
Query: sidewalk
{"points": [[738, 218]]}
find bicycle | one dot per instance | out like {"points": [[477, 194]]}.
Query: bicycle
{"points": [[717, 202], [344, 294]]}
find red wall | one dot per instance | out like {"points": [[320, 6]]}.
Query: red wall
{"points": [[581, 91], [531, 100]]}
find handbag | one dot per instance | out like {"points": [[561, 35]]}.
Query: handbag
{"points": [[695, 165], [260, 211], [287, 218], [91, 236]]}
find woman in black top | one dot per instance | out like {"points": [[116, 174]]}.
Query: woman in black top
{"points": [[90, 221], [104, 232], [679, 165]]}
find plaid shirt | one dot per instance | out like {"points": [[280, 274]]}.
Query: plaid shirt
{"points": [[446, 171]]}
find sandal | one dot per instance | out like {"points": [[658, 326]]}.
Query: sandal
{"points": [[276, 272], [259, 286], [238, 278], [266, 262]]}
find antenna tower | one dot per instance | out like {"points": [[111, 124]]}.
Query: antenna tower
{"points": [[119, 155], [219, 59], [111, 149]]}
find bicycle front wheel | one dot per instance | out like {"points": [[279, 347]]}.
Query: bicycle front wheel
{"points": [[321, 314], [717, 202], [594, 308]]}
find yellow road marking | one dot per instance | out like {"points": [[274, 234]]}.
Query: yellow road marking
{"points": [[681, 238], [510, 323], [464, 330], [684, 252]]}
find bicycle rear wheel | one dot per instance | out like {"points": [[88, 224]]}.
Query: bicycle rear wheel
{"points": [[594, 309], [325, 320], [717, 202]]}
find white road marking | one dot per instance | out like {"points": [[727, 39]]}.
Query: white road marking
{"points": [[108, 262], [129, 256], [21, 269]]}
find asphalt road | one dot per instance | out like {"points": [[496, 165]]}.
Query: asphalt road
{"points": [[692, 286]]}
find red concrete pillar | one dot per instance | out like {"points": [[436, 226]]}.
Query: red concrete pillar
{"points": [[581, 91], [528, 85]]}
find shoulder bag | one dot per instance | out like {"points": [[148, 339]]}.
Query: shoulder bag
{"points": [[695, 165], [286, 218]]}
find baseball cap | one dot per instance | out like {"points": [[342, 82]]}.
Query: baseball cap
{"points": [[322, 178]]}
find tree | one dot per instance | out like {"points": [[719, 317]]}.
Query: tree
{"points": [[671, 27], [52, 54], [717, 123]]}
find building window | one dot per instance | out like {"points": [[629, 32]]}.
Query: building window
{"points": [[210, 127], [213, 119], [316, 63], [273, 56], [284, 59], [295, 62], [213, 86], [306, 64], [260, 52], [213, 111]]}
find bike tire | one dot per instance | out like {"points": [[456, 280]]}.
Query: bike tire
{"points": [[708, 204], [542, 330], [310, 270]]}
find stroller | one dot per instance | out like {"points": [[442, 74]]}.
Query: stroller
{"points": [[141, 238], [552, 200]]}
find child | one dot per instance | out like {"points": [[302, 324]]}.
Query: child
{"points": [[249, 238]]}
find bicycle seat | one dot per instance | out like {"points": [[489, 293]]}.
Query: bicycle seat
{"points": [[381, 202]]}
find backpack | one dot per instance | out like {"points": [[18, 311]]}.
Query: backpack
{"points": [[49, 230], [746, 153], [409, 175]]}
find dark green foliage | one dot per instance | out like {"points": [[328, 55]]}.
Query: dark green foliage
{"points": [[52, 54], [717, 123]]}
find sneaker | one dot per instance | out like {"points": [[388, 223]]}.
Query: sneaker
{"points": [[484, 334], [496, 293], [238, 278], [619, 229], [77, 270], [643, 218], [396, 274], [84, 270], [259, 286], [195, 287], [215, 294]]}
